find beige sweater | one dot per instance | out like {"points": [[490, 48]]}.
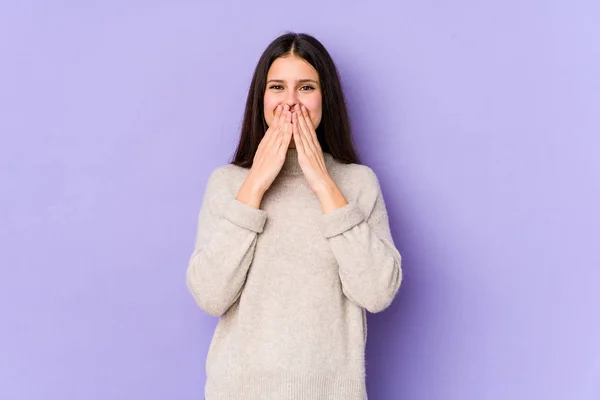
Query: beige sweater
{"points": [[291, 284]]}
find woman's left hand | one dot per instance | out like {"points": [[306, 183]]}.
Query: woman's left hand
{"points": [[312, 162], [310, 155]]}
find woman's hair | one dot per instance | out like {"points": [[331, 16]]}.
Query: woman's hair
{"points": [[334, 131]]}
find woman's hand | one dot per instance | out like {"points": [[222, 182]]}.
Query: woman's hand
{"points": [[268, 159], [312, 162]]}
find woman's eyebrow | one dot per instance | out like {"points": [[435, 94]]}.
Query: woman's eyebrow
{"points": [[297, 80]]}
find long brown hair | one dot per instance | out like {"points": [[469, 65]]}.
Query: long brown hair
{"points": [[334, 131]]}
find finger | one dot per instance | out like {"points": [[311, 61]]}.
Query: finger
{"points": [[276, 120], [276, 124], [303, 129], [278, 129], [298, 136], [309, 129], [286, 137], [285, 118], [310, 136], [286, 113], [285, 128], [278, 112]]}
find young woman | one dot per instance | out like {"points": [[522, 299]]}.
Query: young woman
{"points": [[293, 241]]}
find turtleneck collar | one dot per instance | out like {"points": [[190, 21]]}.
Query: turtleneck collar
{"points": [[291, 165]]}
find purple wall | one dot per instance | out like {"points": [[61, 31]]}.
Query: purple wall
{"points": [[481, 119]]}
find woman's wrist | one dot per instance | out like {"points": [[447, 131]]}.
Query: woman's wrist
{"points": [[251, 193], [330, 196]]}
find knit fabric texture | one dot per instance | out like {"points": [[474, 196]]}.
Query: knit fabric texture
{"points": [[290, 284]]}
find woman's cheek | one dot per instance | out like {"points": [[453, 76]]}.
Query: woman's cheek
{"points": [[314, 118], [270, 111]]}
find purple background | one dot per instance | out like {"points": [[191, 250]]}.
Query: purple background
{"points": [[480, 118]]}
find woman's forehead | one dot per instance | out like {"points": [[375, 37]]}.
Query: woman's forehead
{"points": [[292, 69]]}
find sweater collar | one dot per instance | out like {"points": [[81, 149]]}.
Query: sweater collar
{"points": [[291, 165]]}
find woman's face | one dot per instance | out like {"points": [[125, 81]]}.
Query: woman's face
{"points": [[292, 80]]}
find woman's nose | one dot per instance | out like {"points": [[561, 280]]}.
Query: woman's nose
{"points": [[291, 99]]}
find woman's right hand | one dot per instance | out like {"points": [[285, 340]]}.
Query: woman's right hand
{"points": [[269, 158]]}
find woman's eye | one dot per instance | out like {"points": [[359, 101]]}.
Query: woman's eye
{"points": [[279, 87]]}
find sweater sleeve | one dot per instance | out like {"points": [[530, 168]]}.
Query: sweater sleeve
{"points": [[369, 263], [225, 243]]}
